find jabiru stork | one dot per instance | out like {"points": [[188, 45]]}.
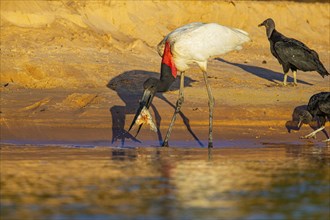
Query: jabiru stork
{"points": [[191, 43]]}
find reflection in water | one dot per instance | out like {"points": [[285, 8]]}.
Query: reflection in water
{"points": [[272, 182]]}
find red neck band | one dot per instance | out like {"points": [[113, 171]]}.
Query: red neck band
{"points": [[168, 58]]}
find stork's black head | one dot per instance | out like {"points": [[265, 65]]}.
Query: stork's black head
{"points": [[150, 88], [270, 26]]}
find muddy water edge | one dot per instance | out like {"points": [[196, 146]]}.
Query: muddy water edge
{"points": [[271, 181]]}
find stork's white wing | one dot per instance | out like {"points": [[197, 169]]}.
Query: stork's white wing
{"points": [[177, 33], [208, 40]]}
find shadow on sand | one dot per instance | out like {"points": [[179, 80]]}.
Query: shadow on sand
{"points": [[263, 72], [129, 87]]}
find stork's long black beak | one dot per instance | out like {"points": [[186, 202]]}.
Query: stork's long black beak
{"points": [[146, 101]]}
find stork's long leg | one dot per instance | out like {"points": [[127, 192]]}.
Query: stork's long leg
{"points": [[178, 105], [211, 105]]}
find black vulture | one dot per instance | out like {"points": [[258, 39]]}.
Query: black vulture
{"points": [[296, 115], [292, 54], [318, 108]]}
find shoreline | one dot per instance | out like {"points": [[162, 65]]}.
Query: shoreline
{"points": [[68, 73]]}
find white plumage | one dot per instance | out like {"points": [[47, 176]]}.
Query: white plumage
{"points": [[192, 43], [196, 42]]}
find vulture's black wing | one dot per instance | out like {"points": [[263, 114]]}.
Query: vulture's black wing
{"points": [[296, 54], [319, 101], [324, 103]]}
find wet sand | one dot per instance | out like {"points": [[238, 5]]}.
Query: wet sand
{"points": [[271, 181]]}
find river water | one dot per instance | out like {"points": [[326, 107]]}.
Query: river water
{"points": [[270, 181]]}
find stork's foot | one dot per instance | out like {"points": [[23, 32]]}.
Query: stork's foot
{"points": [[165, 144]]}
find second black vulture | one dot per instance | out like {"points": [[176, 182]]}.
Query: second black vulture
{"points": [[292, 54], [318, 108]]}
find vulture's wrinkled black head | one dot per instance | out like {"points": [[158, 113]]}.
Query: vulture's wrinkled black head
{"points": [[270, 26]]}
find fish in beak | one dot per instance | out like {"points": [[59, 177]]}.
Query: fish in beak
{"points": [[142, 115], [168, 73]]}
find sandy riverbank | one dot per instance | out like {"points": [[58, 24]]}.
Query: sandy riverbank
{"points": [[72, 71]]}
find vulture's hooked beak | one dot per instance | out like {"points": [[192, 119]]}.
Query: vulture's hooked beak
{"points": [[146, 100], [262, 24], [300, 122]]}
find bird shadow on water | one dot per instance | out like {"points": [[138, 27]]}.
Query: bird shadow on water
{"points": [[129, 88], [263, 73]]}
